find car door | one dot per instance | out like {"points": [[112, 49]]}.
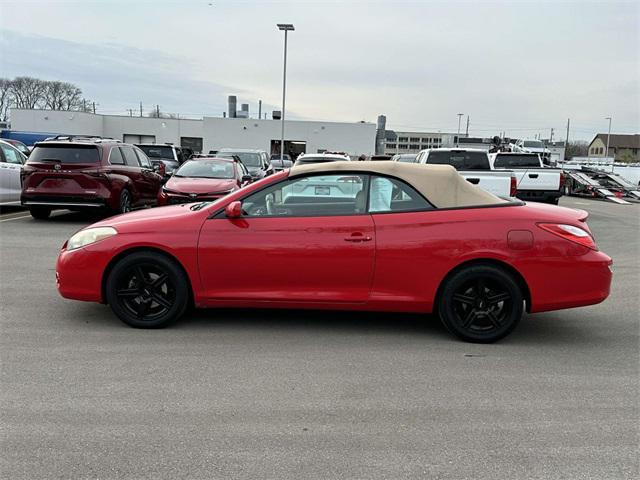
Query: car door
{"points": [[152, 181], [306, 240], [10, 165], [134, 171], [413, 244]]}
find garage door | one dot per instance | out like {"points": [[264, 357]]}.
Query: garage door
{"points": [[131, 138]]}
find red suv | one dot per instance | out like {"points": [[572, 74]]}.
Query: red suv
{"points": [[78, 173]]}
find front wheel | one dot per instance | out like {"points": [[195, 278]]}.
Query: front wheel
{"points": [[481, 304], [147, 290]]}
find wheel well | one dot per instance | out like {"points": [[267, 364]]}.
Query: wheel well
{"points": [[123, 254], [524, 288]]}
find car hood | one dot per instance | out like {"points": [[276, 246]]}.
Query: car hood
{"points": [[200, 185], [155, 220]]}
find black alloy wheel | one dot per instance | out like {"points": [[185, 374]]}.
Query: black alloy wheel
{"points": [[481, 304], [125, 201], [147, 290]]}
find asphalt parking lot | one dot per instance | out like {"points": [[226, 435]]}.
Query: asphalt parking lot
{"points": [[278, 395]]}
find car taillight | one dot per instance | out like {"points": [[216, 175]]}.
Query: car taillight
{"points": [[514, 186], [571, 233], [562, 180], [162, 169]]}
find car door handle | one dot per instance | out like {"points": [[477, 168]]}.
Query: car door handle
{"points": [[533, 175], [358, 237]]}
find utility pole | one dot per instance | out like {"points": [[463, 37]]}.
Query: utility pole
{"points": [[157, 111], [259, 109], [141, 109], [286, 28], [608, 137], [458, 137], [551, 136], [84, 104], [94, 107], [467, 133], [566, 141], [130, 110]]}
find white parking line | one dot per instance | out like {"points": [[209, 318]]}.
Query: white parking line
{"points": [[15, 218]]}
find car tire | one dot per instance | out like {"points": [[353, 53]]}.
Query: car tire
{"points": [[147, 290], [480, 304], [125, 201], [40, 213]]}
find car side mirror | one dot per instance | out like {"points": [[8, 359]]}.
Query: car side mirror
{"points": [[246, 178], [233, 210]]}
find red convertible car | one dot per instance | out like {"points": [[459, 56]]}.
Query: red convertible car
{"points": [[379, 236]]}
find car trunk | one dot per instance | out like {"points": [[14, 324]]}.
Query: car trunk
{"points": [[65, 170]]}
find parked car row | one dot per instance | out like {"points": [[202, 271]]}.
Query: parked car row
{"points": [[93, 173], [521, 174], [78, 173]]}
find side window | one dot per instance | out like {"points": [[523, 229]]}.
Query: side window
{"points": [[130, 157], [115, 157], [393, 195], [179, 155], [142, 158], [11, 155], [311, 196]]}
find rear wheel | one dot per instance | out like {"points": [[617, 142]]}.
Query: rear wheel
{"points": [[125, 201], [40, 213], [147, 290], [481, 304]]}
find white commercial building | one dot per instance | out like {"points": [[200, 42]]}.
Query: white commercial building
{"points": [[209, 133]]}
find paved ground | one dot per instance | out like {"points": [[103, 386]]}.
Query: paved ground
{"points": [[275, 395]]}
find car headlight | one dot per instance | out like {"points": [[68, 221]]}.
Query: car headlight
{"points": [[168, 190], [89, 236]]}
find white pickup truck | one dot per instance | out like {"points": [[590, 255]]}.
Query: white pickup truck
{"points": [[473, 164], [534, 181]]}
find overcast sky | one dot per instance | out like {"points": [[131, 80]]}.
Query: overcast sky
{"points": [[519, 67]]}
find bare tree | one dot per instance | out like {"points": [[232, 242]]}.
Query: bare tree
{"points": [[576, 149], [5, 98], [27, 92], [62, 96]]}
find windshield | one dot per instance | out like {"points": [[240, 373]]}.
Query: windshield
{"points": [[20, 146], [303, 160], [247, 158], [460, 160], [514, 160], [157, 151], [65, 154], [533, 144], [406, 158], [206, 169]]}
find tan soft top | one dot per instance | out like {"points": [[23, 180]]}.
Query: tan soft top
{"points": [[442, 185]]}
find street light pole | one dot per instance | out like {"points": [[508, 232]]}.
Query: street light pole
{"points": [[608, 136], [286, 27], [458, 137]]}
